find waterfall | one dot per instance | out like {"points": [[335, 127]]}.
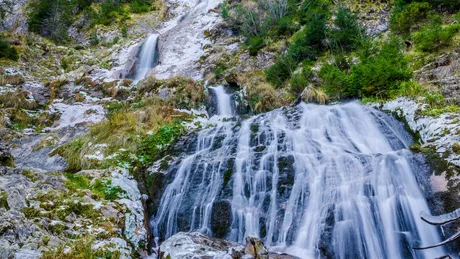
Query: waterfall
{"points": [[314, 181], [224, 106], [147, 57]]}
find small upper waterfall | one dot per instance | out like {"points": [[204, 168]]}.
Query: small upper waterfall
{"points": [[314, 181], [147, 57], [224, 106]]}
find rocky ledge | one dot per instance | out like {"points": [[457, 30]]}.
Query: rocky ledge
{"points": [[195, 245]]}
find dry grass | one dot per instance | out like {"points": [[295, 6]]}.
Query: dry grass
{"points": [[17, 100], [261, 95], [11, 79], [55, 86], [314, 95], [183, 92], [124, 129]]}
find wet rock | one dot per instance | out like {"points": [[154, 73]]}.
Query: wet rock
{"points": [[255, 247], [221, 218], [196, 245]]}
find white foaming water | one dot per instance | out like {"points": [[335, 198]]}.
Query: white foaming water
{"points": [[313, 181], [224, 106], [146, 57]]}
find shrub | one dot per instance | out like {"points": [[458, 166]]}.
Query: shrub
{"points": [[335, 82], [254, 45], [51, 18], [378, 74], [6, 50], [94, 39], [404, 18], [307, 43], [433, 36], [279, 72], [347, 34], [313, 8], [285, 26], [300, 80], [408, 88], [140, 6], [447, 5]]}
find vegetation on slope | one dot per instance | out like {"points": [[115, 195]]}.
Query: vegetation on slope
{"points": [[52, 18]]}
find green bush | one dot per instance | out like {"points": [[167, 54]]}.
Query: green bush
{"points": [[300, 80], [434, 36], [307, 43], [381, 73], [346, 34], [446, 5], [378, 74], [254, 45], [6, 50], [285, 26], [282, 70], [310, 10], [140, 6], [51, 18], [405, 17], [335, 82]]}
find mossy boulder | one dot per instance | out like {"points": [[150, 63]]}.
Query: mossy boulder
{"points": [[456, 148]]}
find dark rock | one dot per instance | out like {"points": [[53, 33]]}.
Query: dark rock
{"points": [[6, 159], [221, 218]]}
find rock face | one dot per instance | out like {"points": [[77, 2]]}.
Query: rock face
{"points": [[443, 72], [196, 245], [42, 211]]}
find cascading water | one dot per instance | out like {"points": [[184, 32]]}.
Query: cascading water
{"points": [[224, 107], [314, 181], [147, 57]]}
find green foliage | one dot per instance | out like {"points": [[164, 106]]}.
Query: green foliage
{"points": [[378, 74], [161, 138], [124, 31], [383, 73], [285, 26], [408, 88], [101, 187], [94, 39], [436, 112], [446, 5], [310, 10], [434, 100], [346, 34], [6, 50], [220, 70], [81, 248], [52, 18], [434, 36], [300, 80], [307, 42], [254, 45], [279, 72], [335, 82], [4, 200], [405, 17]]}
